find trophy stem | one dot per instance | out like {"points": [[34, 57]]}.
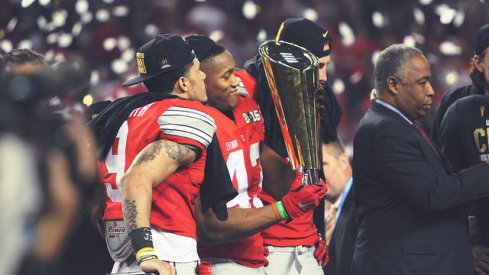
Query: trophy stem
{"points": [[310, 176]]}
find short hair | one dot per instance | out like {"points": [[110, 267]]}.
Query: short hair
{"points": [[392, 61], [22, 56], [337, 148], [478, 78], [216, 50], [165, 82]]}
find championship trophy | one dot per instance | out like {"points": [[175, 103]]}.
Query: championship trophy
{"points": [[292, 75]]}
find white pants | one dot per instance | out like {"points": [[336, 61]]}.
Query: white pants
{"points": [[131, 265], [231, 268], [293, 260]]}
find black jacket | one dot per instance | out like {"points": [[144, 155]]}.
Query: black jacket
{"points": [[411, 206]]}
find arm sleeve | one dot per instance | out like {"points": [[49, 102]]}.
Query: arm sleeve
{"points": [[217, 188], [187, 126], [450, 141], [404, 168]]}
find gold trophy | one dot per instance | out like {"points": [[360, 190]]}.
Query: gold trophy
{"points": [[292, 75]]}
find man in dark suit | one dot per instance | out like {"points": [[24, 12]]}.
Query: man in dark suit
{"points": [[411, 206], [339, 200]]}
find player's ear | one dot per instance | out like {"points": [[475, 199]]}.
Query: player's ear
{"points": [[476, 61], [182, 84]]}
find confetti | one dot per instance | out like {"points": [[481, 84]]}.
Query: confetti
{"points": [[216, 35], [310, 14], [120, 11], [102, 15], [347, 35], [449, 48], [250, 9], [378, 19], [81, 6], [119, 66], [109, 43], [11, 24]]}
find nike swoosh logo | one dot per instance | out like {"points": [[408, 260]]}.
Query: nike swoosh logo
{"points": [[325, 33], [302, 205]]}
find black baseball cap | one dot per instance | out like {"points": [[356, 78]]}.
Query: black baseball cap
{"points": [[202, 45], [481, 39], [305, 33], [162, 54]]}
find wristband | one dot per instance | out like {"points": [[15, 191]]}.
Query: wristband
{"points": [[141, 238], [145, 252], [275, 210], [147, 258], [281, 210]]}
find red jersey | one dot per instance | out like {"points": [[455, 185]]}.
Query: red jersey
{"points": [[300, 231], [179, 120], [240, 145]]}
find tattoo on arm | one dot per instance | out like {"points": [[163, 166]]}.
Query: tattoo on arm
{"points": [[177, 151], [130, 214], [173, 150], [149, 153]]}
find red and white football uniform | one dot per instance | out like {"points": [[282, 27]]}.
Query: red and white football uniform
{"points": [[300, 231], [179, 120], [240, 142]]}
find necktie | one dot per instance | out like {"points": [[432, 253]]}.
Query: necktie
{"points": [[433, 146], [330, 222], [425, 136]]}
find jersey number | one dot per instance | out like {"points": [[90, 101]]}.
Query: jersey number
{"points": [[116, 162], [237, 168]]}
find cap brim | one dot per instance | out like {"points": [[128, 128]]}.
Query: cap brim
{"points": [[137, 80]]}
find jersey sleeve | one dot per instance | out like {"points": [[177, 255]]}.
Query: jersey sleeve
{"points": [[448, 138], [217, 188], [188, 126]]}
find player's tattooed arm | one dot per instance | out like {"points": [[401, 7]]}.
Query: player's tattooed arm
{"points": [[150, 167], [149, 153], [174, 151], [180, 153], [130, 214]]}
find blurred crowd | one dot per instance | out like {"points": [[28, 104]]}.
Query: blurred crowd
{"points": [[102, 36]]}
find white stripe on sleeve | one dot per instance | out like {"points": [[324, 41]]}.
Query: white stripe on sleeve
{"points": [[188, 123]]}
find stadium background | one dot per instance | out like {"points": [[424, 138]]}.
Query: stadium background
{"points": [[102, 36]]}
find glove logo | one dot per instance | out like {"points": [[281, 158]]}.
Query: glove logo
{"points": [[304, 205]]}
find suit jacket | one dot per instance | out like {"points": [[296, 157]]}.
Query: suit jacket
{"points": [[412, 208], [342, 241]]}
